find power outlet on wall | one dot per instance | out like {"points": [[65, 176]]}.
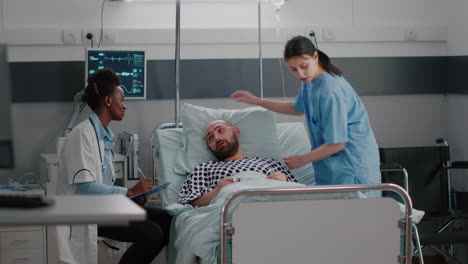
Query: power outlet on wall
{"points": [[108, 37], [70, 37], [410, 34], [329, 34]]}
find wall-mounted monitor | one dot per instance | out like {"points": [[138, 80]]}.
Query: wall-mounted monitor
{"points": [[129, 65]]}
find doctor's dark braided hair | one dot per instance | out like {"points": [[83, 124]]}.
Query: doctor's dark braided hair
{"points": [[300, 45], [100, 84]]}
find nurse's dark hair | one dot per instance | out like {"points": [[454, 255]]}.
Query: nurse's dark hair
{"points": [[100, 84], [300, 45]]}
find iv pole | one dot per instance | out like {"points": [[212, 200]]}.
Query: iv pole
{"points": [[177, 57], [177, 64], [260, 58]]}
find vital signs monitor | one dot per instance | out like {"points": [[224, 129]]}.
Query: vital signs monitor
{"points": [[129, 65]]}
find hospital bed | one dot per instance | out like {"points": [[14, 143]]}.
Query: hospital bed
{"points": [[323, 224]]}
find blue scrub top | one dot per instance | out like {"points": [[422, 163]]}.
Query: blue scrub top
{"points": [[106, 135], [335, 114]]}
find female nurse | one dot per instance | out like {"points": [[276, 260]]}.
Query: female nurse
{"points": [[344, 149], [86, 167]]}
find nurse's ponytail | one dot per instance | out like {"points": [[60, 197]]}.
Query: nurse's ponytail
{"points": [[100, 84], [299, 46]]}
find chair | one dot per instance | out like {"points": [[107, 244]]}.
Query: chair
{"points": [[429, 184]]}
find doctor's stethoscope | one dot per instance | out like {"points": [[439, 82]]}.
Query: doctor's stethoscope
{"points": [[102, 165], [100, 154]]}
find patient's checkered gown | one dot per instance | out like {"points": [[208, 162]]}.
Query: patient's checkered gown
{"points": [[205, 176]]}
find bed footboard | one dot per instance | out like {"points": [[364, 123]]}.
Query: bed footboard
{"points": [[317, 231]]}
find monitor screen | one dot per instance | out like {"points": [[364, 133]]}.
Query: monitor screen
{"points": [[129, 65]]}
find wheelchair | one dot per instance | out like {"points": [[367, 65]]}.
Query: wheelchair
{"points": [[425, 173]]}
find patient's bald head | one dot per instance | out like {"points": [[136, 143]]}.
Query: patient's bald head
{"points": [[222, 138], [215, 123]]}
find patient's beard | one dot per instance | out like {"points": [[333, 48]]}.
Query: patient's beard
{"points": [[229, 150]]}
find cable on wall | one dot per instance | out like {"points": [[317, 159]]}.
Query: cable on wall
{"points": [[90, 36], [312, 36], [102, 23]]}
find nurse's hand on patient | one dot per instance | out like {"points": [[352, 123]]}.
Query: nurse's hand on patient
{"points": [[276, 175], [245, 96], [294, 162]]}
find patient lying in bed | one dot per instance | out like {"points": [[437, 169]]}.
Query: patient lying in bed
{"points": [[207, 179], [195, 231]]}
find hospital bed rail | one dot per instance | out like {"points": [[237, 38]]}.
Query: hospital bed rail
{"points": [[227, 231], [153, 147], [395, 167]]}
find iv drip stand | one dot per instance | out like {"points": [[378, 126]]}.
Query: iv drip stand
{"points": [[177, 57]]}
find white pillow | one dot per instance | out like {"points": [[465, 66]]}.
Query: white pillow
{"points": [[257, 126], [294, 140]]}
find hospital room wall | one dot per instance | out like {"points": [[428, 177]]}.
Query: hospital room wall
{"points": [[223, 14], [393, 116], [398, 119], [457, 102]]}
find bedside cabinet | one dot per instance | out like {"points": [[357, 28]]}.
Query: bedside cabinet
{"points": [[25, 245], [49, 172]]}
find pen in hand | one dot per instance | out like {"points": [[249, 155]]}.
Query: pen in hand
{"points": [[140, 174]]}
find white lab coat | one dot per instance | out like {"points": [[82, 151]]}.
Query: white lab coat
{"points": [[80, 161]]}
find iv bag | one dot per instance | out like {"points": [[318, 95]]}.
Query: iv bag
{"points": [[278, 3]]}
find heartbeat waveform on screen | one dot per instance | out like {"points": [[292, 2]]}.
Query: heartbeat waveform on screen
{"points": [[138, 60], [131, 91], [125, 74], [126, 90]]}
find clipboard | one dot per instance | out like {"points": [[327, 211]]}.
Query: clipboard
{"points": [[154, 190]]}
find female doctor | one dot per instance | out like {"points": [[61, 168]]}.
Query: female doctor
{"points": [[86, 167], [344, 149]]}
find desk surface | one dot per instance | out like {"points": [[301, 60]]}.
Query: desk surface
{"points": [[113, 209]]}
